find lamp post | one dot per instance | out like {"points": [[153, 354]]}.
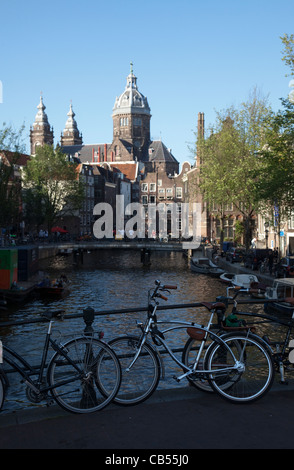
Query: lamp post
{"points": [[266, 234]]}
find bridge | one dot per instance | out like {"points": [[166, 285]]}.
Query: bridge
{"points": [[146, 247]]}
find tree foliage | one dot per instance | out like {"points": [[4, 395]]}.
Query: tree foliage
{"points": [[52, 186], [229, 161], [288, 51]]}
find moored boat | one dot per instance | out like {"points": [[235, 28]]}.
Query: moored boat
{"points": [[242, 280], [205, 266], [281, 296]]}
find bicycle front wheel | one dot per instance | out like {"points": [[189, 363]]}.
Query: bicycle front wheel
{"points": [[141, 380], [242, 368], [86, 377]]}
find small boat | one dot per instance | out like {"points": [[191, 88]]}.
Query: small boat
{"points": [[16, 295], [241, 280], [53, 289], [281, 295], [52, 292], [205, 266]]}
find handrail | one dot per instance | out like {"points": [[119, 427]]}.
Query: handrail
{"points": [[89, 313]]}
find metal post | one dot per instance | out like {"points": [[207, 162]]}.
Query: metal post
{"points": [[88, 316]]}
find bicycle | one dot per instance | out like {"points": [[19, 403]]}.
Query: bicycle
{"points": [[82, 376], [282, 351], [238, 366]]}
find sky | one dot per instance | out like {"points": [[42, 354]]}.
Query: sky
{"points": [[189, 56]]}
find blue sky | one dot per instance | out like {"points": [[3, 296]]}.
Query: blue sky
{"points": [[189, 56]]}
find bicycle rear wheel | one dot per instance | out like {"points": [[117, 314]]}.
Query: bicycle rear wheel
{"points": [[142, 379], [2, 391], [86, 378], [199, 380], [189, 355], [243, 369]]}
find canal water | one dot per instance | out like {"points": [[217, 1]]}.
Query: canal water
{"points": [[107, 280]]}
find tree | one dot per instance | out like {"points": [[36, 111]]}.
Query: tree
{"points": [[277, 187], [52, 184], [11, 147], [288, 51], [229, 160]]}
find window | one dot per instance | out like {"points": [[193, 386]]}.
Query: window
{"points": [[124, 121], [144, 199], [179, 193], [291, 221], [144, 187], [169, 192], [159, 182], [152, 199], [152, 187], [137, 121], [161, 193]]}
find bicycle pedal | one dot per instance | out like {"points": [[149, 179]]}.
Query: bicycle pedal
{"points": [[176, 378], [49, 403]]}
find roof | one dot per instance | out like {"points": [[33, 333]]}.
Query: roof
{"points": [[158, 152], [16, 158], [130, 169], [86, 153]]}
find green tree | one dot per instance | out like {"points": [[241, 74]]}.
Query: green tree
{"points": [[288, 51], [52, 184], [229, 161]]}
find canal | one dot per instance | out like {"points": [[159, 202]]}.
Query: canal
{"points": [[106, 280]]}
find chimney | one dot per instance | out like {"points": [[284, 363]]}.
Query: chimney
{"points": [[200, 125], [105, 152]]}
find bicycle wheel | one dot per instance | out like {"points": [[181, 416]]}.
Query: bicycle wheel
{"points": [[93, 384], [142, 379], [199, 380], [189, 355], [243, 369], [2, 391]]}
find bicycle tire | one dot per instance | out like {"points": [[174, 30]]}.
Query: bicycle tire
{"points": [[2, 391], [197, 380], [95, 387], [255, 376], [139, 383]]}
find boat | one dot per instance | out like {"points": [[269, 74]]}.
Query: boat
{"points": [[205, 266], [241, 280], [281, 297], [16, 295], [53, 289]]}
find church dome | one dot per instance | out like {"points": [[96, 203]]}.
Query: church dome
{"points": [[131, 101]]}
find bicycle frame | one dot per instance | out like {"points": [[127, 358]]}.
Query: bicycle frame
{"points": [[151, 328], [27, 370]]}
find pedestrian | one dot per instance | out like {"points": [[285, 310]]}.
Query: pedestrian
{"points": [[270, 261]]}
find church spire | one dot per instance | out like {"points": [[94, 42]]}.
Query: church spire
{"points": [[41, 133], [71, 134]]}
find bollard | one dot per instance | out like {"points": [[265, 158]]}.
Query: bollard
{"points": [[88, 316]]}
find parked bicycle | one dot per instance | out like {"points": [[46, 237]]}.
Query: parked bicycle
{"points": [[282, 349], [238, 366], [82, 376]]}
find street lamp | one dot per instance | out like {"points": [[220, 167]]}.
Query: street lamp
{"points": [[266, 234]]}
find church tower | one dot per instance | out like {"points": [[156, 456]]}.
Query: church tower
{"points": [[71, 134], [41, 133], [131, 123]]}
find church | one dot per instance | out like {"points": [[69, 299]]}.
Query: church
{"points": [[149, 165]]}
